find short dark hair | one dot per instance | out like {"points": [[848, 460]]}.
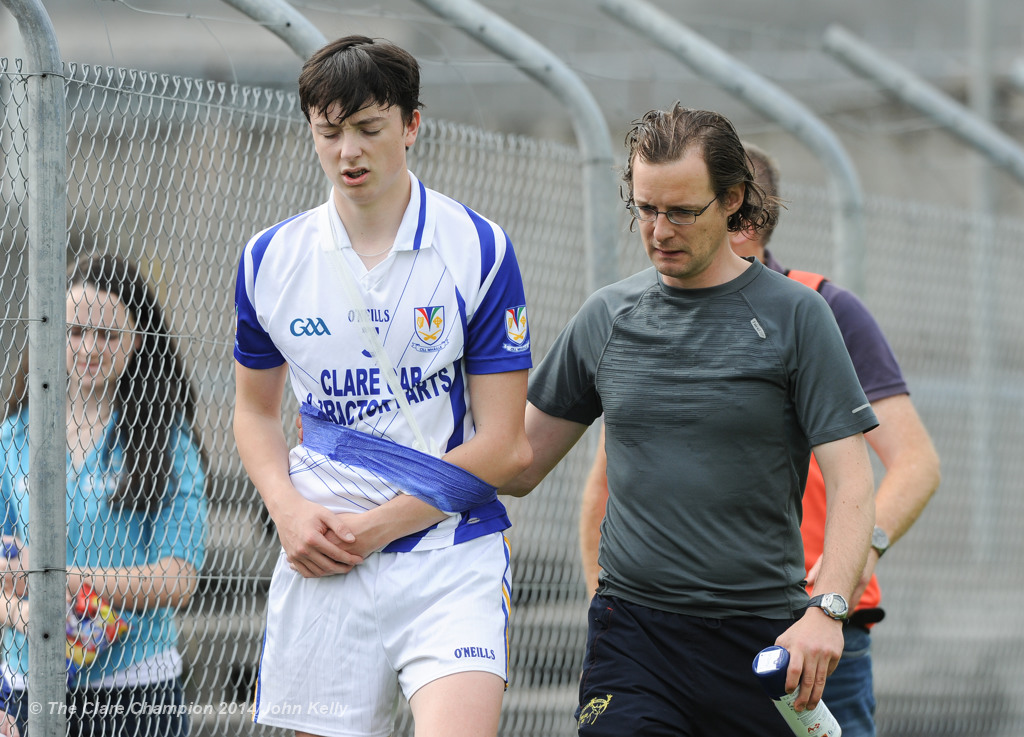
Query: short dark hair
{"points": [[766, 174], [663, 136], [356, 71]]}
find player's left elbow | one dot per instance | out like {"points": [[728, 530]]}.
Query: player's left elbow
{"points": [[519, 460]]}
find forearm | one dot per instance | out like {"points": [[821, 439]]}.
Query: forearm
{"points": [[850, 514], [489, 459], [592, 510], [499, 450], [377, 527], [550, 439], [259, 435], [845, 552], [591, 515], [902, 496], [264, 452], [170, 582], [815, 641], [912, 469]]}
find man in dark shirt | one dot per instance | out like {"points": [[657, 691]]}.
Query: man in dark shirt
{"points": [[713, 400], [901, 442]]}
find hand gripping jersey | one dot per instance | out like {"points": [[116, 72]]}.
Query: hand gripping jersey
{"points": [[447, 302]]}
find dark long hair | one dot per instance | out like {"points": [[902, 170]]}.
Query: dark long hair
{"points": [[153, 394]]}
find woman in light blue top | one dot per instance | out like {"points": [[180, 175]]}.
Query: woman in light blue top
{"points": [[136, 510]]}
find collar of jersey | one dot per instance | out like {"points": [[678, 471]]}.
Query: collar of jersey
{"points": [[416, 230]]}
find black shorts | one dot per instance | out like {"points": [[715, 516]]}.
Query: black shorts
{"points": [[654, 673]]}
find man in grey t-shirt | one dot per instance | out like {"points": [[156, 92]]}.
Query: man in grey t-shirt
{"points": [[717, 378]]}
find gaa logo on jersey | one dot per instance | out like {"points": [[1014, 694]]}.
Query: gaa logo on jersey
{"points": [[429, 323], [516, 326]]}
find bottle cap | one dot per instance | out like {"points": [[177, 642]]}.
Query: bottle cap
{"points": [[770, 668]]}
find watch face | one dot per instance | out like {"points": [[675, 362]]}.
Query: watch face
{"points": [[834, 605], [879, 540]]}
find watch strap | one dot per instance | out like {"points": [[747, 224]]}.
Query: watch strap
{"points": [[879, 541], [816, 601]]}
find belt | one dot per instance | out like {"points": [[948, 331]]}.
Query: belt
{"points": [[866, 617]]}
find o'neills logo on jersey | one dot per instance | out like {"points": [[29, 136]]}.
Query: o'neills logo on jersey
{"points": [[429, 325], [517, 328]]}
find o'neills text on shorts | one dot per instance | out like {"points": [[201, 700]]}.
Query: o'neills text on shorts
{"points": [[474, 652]]}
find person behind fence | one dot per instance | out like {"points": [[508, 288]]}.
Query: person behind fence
{"points": [[716, 377], [901, 442], [399, 316], [136, 510]]}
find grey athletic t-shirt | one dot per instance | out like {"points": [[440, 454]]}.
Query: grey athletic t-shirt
{"points": [[713, 399]]}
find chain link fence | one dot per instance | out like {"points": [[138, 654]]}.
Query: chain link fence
{"points": [[176, 174]]}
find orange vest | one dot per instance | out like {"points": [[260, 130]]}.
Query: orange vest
{"points": [[812, 528]]}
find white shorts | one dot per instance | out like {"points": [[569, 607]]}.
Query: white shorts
{"points": [[337, 649]]}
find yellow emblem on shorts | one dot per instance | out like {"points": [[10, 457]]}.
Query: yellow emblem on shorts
{"points": [[594, 708]]}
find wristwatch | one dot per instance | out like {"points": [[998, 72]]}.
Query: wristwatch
{"points": [[879, 541], [834, 605]]}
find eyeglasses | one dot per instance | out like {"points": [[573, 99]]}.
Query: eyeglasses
{"points": [[649, 214]]}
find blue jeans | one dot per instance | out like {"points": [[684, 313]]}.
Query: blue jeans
{"points": [[849, 691]]}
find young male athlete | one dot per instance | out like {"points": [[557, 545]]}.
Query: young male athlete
{"points": [[716, 377], [901, 442], [400, 319]]}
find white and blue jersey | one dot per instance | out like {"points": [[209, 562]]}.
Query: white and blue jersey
{"points": [[447, 302]]}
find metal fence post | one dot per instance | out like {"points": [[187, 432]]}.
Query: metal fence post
{"points": [[47, 203], [1017, 74], [912, 90], [285, 22], [592, 134]]}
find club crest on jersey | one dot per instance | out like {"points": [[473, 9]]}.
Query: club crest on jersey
{"points": [[429, 323], [516, 325]]}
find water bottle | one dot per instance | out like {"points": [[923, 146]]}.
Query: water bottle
{"points": [[770, 668]]}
